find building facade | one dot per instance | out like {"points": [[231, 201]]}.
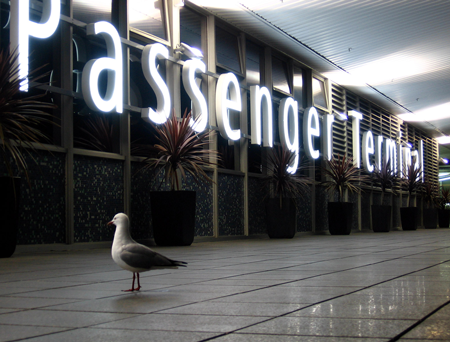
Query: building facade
{"points": [[90, 170]]}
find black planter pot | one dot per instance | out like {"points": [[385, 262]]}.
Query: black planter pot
{"points": [[430, 218], [444, 218], [281, 222], [381, 218], [408, 217], [9, 212], [340, 218], [173, 217]]}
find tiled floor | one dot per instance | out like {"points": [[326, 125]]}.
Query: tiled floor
{"points": [[363, 287]]}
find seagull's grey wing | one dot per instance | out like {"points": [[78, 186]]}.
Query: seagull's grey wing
{"points": [[140, 256]]}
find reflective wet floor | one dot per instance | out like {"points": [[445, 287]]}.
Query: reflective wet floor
{"points": [[363, 287]]}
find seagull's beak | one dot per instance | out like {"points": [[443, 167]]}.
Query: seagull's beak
{"points": [[110, 223]]}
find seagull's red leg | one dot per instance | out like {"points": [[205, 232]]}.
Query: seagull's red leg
{"points": [[139, 283], [132, 286]]}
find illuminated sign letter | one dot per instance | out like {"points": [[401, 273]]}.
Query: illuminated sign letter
{"points": [[415, 156], [367, 150], [113, 64], [199, 107], [378, 148], [356, 117], [228, 96], [261, 110], [390, 154], [421, 161], [406, 160], [21, 28], [310, 129], [288, 128], [327, 136], [150, 54], [399, 155]]}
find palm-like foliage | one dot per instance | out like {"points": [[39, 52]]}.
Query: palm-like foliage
{"points": [[98, 133], [412, 179], [285, 184], [384, 176], [445, 197], [430, 193], [20, 117], [181, 150], [343, 174]]}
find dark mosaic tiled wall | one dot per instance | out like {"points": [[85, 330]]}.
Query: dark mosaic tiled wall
{"points": [[42, 207], [304, 223], [231, 205], [353, 198], [257, 223], [322, 199], [98, 196], [144, 182], [204, 211]]}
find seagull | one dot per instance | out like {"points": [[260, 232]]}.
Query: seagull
{"points": [[133, 256]]}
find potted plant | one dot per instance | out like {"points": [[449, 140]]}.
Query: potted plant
{"points": [[285, 188], [381, 213], [179, 151], [20, 118], [443, 212], [412, 181], [342, 175], [429, 191]]}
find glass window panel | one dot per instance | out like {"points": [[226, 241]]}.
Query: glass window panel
{"points": [[319, 93], [148, 16], [89, 11], [253, 73], [298, 86], [191, 29], [280, 75], [227, 50]]}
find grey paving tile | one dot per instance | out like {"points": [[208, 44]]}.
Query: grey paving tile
{"points": [[30, 303], [18, 332], [142, 302], [381, 299], [333, 327], [117, 335], [193, 323], [418, 290], [239, 337], [430, 330], [3, 311], [69, 293], [281, 295], [235, 309], [243, 282], [370, 310], [224, 293], [61, 319]]}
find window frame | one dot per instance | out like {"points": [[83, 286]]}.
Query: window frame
{"points": [[139, 34]]}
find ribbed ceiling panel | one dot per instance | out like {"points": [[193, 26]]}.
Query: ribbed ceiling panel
{"points": [[400, 48]]}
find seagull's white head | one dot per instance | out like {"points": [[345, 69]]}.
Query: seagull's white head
{"points": [[119, 219]]}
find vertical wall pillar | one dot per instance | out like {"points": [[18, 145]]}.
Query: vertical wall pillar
{"points": [[243, 143], [66, 108], [210, 35], [308, 102], [173, 69], [120, 21]]}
